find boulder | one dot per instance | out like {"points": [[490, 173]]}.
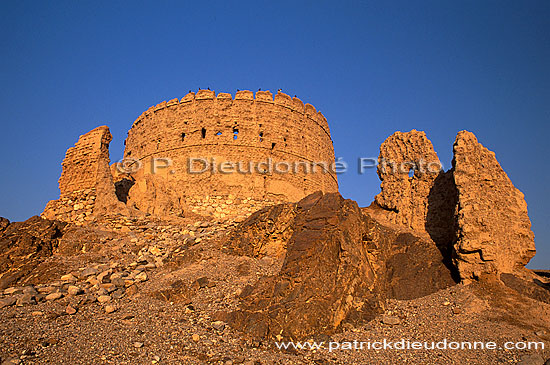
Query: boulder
{"points": [[339, 267], [24, 245], [266, 232]]}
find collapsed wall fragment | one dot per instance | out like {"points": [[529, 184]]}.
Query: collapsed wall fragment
{"points": [[472, 212], [494, 230], [407, 167], [86, 184]]}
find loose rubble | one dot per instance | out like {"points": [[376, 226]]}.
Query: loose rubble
{"points": [[141, 289]]}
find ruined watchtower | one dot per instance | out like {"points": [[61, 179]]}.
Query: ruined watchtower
{"points": [[270, 142]]}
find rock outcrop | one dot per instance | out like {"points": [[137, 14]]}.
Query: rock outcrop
{"points": [[267, 231], [24, 244], [86, 184], [339, 266], [494, 230], [472, 212], [4, 223]]}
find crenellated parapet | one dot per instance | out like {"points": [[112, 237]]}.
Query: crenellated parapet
{"points": [[279, 148], [225, 99]]}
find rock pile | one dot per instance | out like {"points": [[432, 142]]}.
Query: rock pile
{"points": [[102, 283]]}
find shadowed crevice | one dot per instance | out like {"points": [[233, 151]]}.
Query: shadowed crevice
{"points": [[122, 188], [441, 219]]}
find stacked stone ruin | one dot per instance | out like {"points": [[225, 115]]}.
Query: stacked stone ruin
{"points": [[218, 128], [473, 213], [86, 183], [260, 131]]}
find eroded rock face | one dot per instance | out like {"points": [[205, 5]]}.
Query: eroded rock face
{"points": [[24, 244], [340, 266], [267, 231], [325, 278], [407, 167], [414, 267], [4, 223], [86, 183], [472, 212], [494, 230]]}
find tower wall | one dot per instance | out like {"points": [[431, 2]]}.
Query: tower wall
{"points": [[246, 129]]}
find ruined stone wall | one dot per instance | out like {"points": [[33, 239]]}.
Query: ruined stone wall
{"points": [[494, 232], [406, 169], [472, 212], [86, 183], [241, 129]]}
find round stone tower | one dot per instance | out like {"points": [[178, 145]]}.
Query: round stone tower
{"points": [[214, 154]]}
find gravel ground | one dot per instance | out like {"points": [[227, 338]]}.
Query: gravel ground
{"points": [[170, 317]]}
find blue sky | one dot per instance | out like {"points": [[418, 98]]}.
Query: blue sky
{"points": [[371, 67]]}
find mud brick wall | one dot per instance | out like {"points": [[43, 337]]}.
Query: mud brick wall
{"points": [[86, 183], [244, 129]]}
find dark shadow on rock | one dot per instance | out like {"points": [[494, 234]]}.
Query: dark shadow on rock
{"points": [[542, 284], [340, 266], [122, 187], [414, 269], [535, 289], [542, 273], [441, 223]]}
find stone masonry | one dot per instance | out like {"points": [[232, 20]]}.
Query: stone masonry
{"points": [[472, 212], [407, 167], [86, 183], [494, 232], [245, 129]]}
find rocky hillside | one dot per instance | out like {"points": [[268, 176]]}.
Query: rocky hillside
{"points": [[439, 256]]}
